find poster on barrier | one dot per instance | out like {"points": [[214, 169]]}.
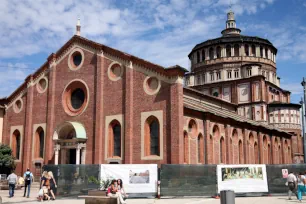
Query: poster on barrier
{"points": [[242, 178], [136, 178]]}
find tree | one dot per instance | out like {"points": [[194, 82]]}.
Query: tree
{"points": [[7, 160]]}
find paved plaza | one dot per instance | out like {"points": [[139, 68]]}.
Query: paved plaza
{"points": [[250, 200]]}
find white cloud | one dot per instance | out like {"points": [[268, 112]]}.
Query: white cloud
{"points": [[294, 88], [163, 32]]}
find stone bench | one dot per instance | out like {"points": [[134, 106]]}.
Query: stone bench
{"points": [[99, 200]]}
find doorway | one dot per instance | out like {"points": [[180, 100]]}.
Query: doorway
{"points": [[71, 156]]}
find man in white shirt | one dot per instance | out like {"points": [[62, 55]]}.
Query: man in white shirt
{"points": [[292, 182], [12, 181]]}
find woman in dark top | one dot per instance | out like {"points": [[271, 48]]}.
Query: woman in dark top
{"points": [[53, 185]]}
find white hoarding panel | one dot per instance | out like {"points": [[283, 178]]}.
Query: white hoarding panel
{"points": [[242, 178], [137, 178]]}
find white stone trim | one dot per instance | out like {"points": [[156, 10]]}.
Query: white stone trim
{"points": [[144, 116], [14, 105], [109, 71], [145, 86], [108, 120], [37, 84], [35, 127], [71, 66], [20, 129]]}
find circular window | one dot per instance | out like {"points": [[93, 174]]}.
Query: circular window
{"points": [[75, 98], [42, 85], [151, 85], [18, 106], [76, 59], [115, 72]]}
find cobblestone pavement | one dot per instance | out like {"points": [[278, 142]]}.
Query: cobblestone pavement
{"points": [[250, 200]]}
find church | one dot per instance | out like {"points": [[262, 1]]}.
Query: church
{"points": [[92, 104]]}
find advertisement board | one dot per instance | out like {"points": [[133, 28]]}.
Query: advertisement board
{"points": [[136, 178], [242, 178]]}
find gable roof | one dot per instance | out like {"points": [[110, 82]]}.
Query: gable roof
{"points": [[169, 72]]}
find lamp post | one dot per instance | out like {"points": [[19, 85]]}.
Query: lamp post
{"points": [[303, 116]]}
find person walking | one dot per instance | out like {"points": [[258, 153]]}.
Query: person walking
{"points": [[292, 183], [301, 186], [12, 181], [28, 179], [53, 185]]}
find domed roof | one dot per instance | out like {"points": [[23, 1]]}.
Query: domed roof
{"points": [[231, 35]]}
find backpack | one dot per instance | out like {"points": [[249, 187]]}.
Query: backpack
{"points": [[28, 176]]}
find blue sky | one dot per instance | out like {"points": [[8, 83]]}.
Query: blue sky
{"points": [[161, 31]]}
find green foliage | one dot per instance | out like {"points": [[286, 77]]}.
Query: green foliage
{"points": [[7, 162], [103, 183]]}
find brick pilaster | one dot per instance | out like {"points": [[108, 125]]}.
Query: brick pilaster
{"points": [[128, 114], [98, 152], [176, 123], [27, 138], [50, 110]]}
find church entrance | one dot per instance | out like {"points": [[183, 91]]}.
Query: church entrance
{"points": [[70, 147]]}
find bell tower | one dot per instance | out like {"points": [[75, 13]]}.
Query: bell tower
{"points": [[231, 28]]}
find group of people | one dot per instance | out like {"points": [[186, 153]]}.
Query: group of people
{"points": [[116, 190], [296, 185], [47, 184], [13, 181]]}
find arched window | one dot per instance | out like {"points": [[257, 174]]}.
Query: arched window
{"points": [[211, 53], [265, 148], [276, 155], [240, 154], [192, 127], [200, 149], [203, 55], [266, 50], [246, 50], [117, 140], [269, 154], [228, 51], [251, 149], [218, 52], [235, 152], [186, 148], [16, 144], [215, 147], [114, 139], [254, 50], [236, 50], [39, 143], [222, 151], [152, 136], [256, 153], [280, 153]]}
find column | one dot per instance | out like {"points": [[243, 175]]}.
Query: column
{"points": [[129, 115], [56, 151], [98, 136], [51, 108], [78, 151], [83, 161], [27, 139]]}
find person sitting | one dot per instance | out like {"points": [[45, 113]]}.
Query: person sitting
{"points": [[121, 189], [114, 193]]}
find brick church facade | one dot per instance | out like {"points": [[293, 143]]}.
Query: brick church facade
{"points": [[92, 104]]}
